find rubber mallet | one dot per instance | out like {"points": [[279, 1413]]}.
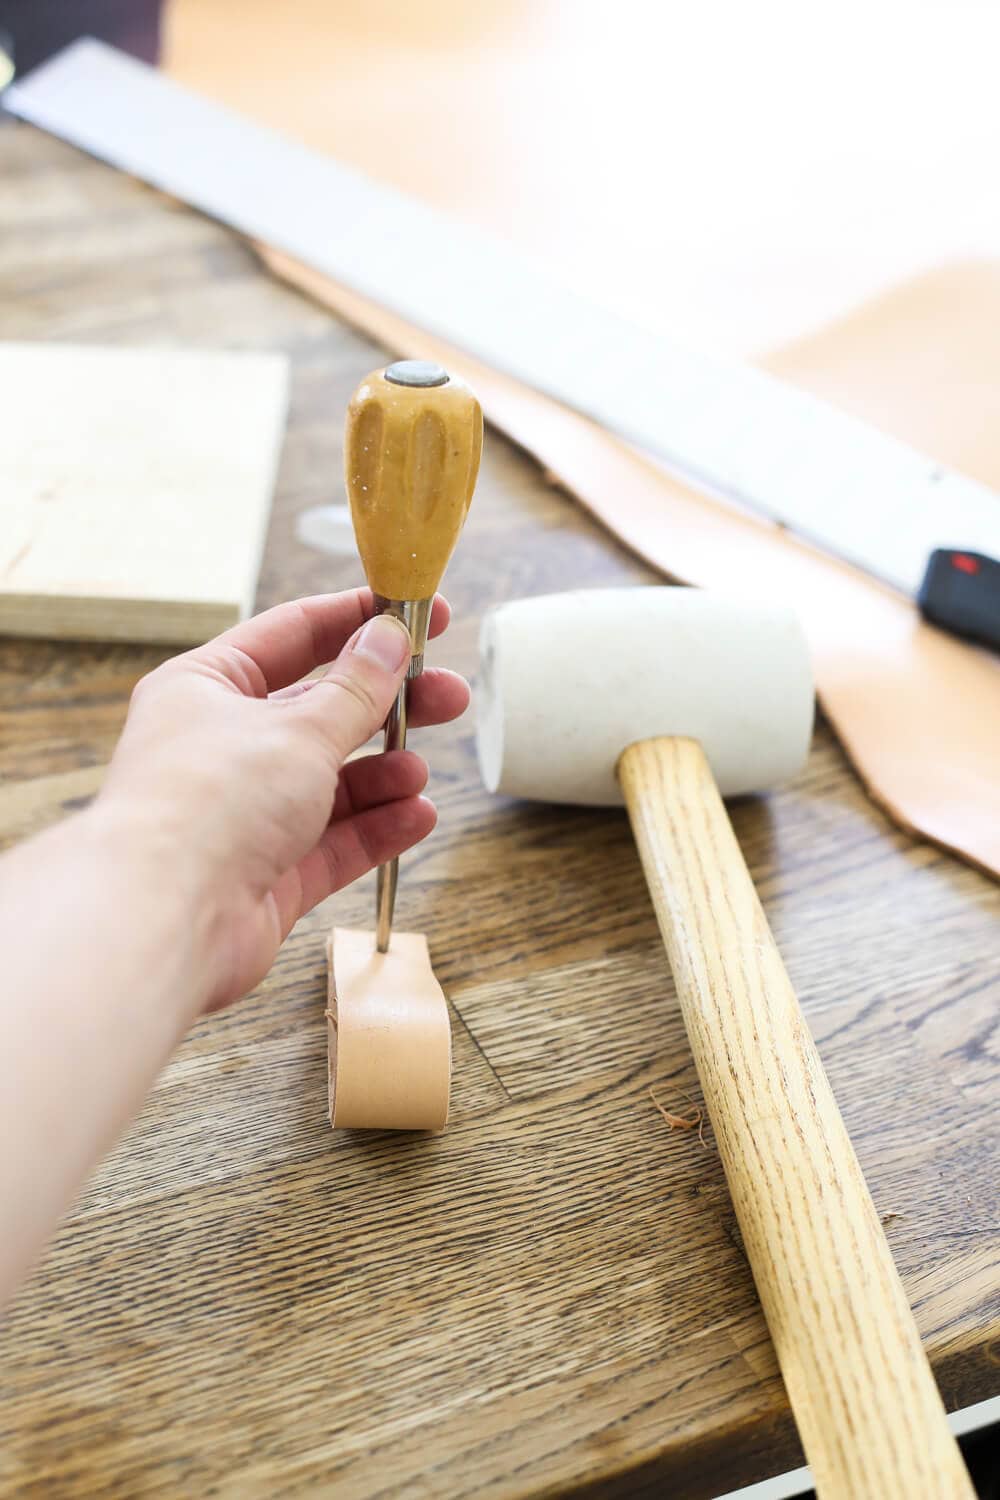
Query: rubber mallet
{"points": [[664, 698]]}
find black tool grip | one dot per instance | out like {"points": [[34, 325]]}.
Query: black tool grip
{"points": [[961, 593]]}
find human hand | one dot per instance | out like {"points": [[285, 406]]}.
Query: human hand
{"points": [[231, 772]]}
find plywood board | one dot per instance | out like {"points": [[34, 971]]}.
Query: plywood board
{"points": [[135, 489]]}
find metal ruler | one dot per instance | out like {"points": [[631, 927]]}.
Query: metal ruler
{"points": [[729, 429]]}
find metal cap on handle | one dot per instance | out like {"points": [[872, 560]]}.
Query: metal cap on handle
{"points": [[413, 444]]}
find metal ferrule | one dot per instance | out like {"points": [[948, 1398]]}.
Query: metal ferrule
{"points": [[415, 614]]}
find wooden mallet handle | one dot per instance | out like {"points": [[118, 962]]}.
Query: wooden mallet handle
{"points": [[871, 1420]]}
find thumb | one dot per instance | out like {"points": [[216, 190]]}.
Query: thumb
{"points": [[352, 698]]}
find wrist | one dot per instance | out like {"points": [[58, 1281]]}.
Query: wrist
{"points": [[146, 868]]}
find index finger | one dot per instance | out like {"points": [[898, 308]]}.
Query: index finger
{"points": [[291, 640]]}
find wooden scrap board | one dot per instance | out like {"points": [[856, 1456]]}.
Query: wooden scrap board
{"points": [[135, 487]]}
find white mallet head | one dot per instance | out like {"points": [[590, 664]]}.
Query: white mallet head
{"points": [[568, 681]]}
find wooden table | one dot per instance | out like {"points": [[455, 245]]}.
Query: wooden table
{"points": [[552, 1297]]}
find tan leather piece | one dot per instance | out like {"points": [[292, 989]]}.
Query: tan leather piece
{"points": [[918, 712], [389, 1034]]}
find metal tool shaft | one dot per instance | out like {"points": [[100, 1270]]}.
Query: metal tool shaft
{"points": [[415, 615]]}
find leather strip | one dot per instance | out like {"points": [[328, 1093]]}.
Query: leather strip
{"points": [[917, 711], [389, 1034]]}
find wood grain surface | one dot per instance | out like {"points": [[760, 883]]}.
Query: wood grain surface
{"points": [[553, 1296]]}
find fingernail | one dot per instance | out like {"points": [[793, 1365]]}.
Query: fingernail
{"points": [[385, 640]]}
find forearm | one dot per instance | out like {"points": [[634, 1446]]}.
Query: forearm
{"points": [[231, 806], [104, 942]]}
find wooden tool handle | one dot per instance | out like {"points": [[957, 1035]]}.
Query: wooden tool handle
{"points": [[868, 1411], [411, 460]]}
